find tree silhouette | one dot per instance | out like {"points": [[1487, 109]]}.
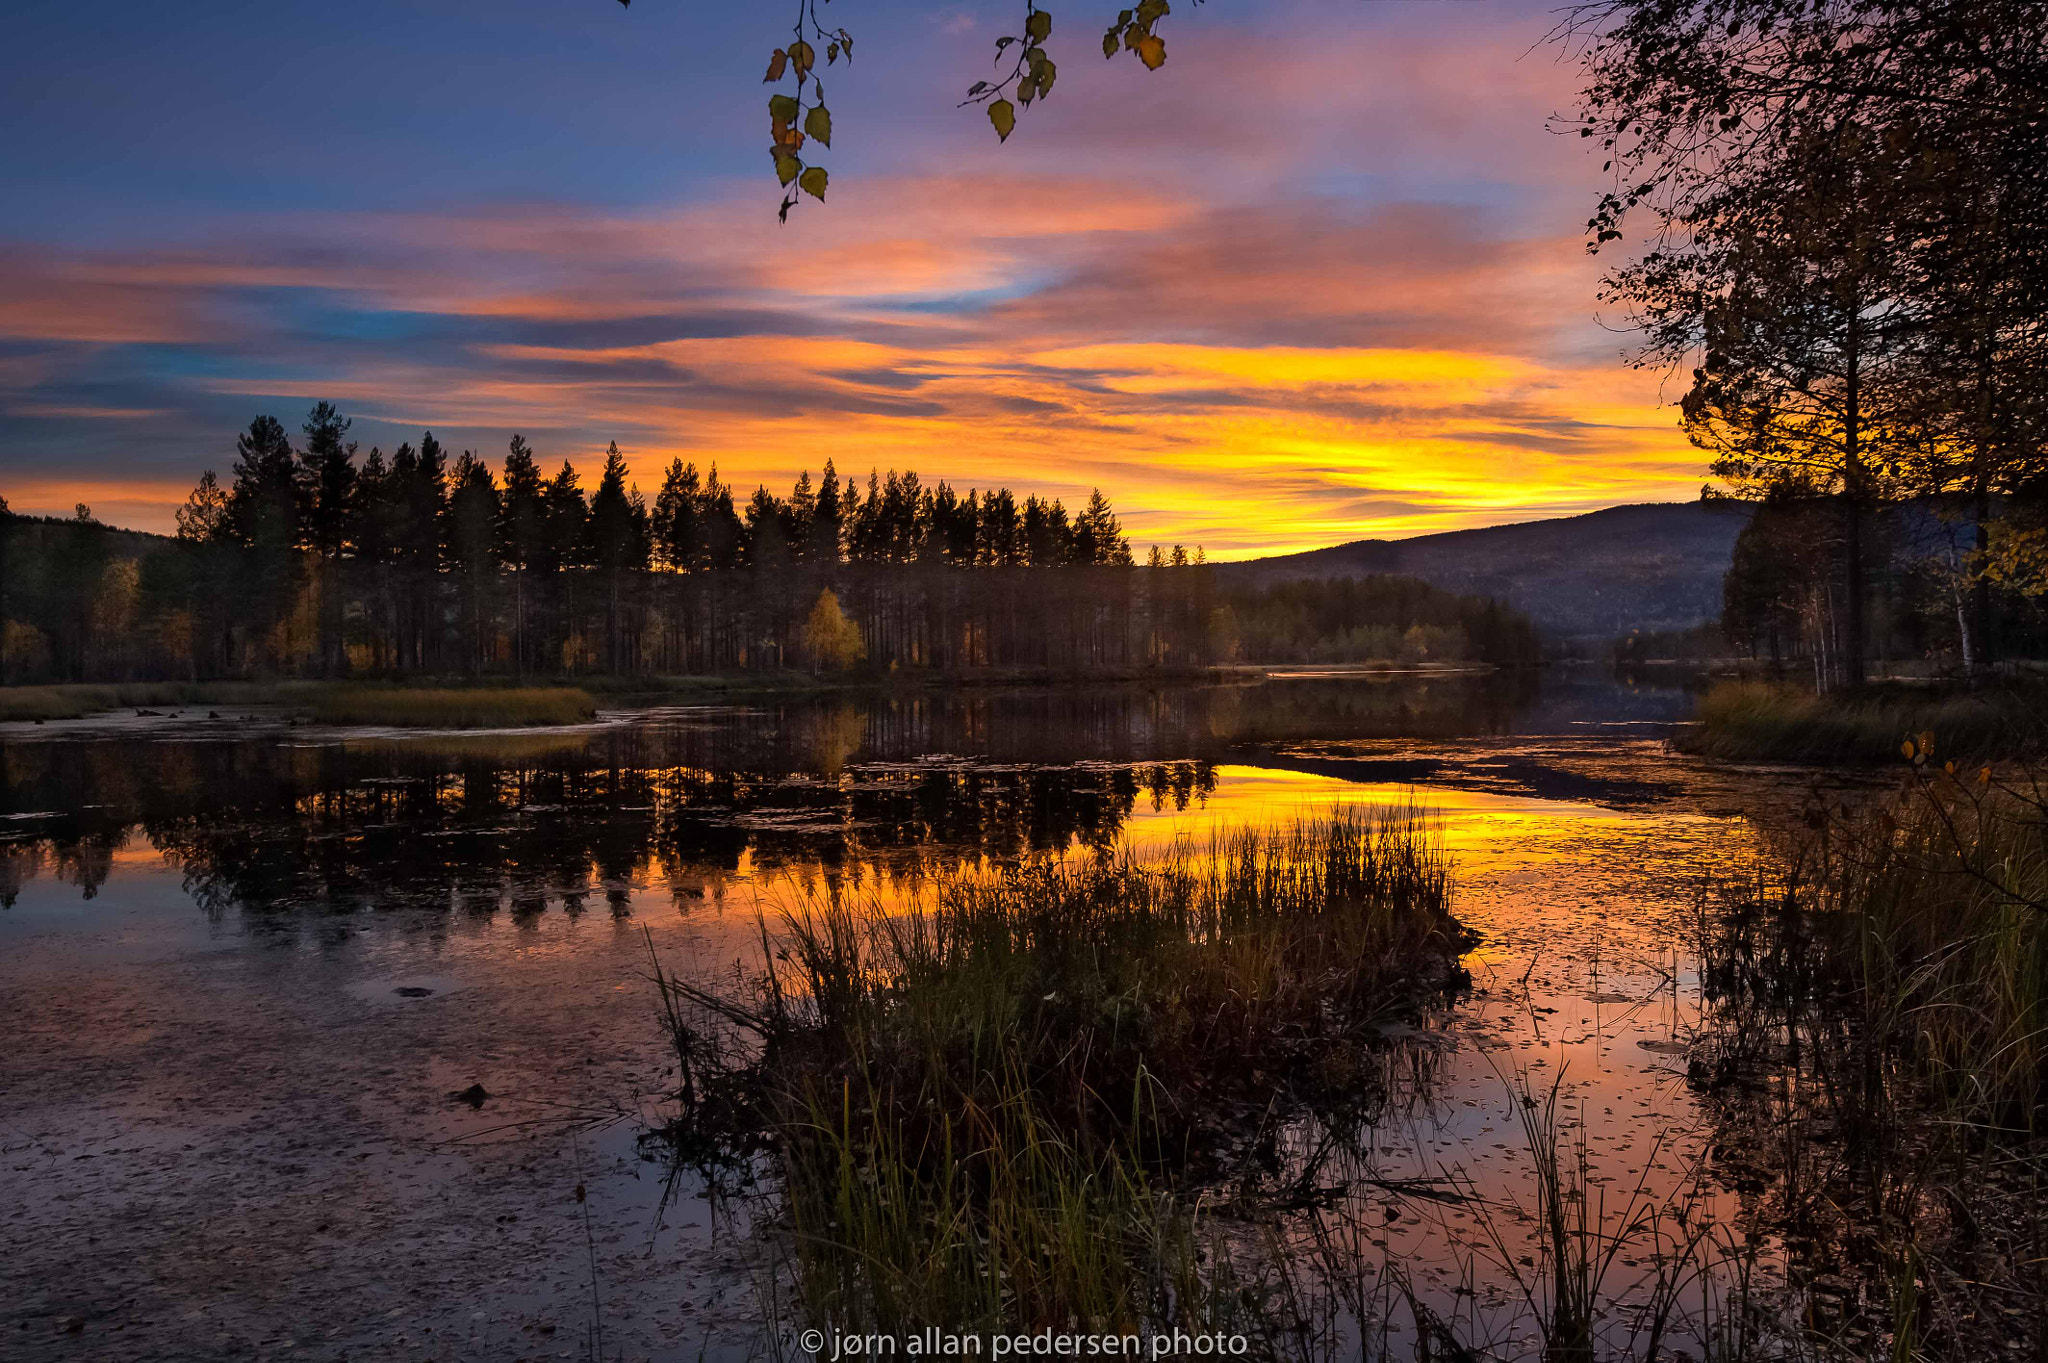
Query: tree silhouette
{"points": [[1847, 240], [618, 538], [436, 568], [521, 538], [327, 502], [567, 555], [473, 519]]}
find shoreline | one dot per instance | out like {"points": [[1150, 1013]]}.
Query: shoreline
{"points": [[308, 699]]}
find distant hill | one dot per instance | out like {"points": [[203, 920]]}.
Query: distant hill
{"points": [[1655, 566], [39, 533]]}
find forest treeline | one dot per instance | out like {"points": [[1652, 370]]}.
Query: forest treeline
{"points": [[314, 559]]}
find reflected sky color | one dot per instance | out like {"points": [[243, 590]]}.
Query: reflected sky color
{"points": [[1578, 980], [1257, 797], [1319, 278]]}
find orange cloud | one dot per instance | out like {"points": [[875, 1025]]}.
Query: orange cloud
{"points": [[1253, 371]]}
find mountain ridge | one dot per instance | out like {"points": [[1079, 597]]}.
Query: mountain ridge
{"points": [[1594, 576]]}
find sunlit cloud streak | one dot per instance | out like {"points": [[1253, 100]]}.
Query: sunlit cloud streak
{"points": [[1250, 369]]}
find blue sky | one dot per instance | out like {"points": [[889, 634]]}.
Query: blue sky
{"points": [[1318, 277]]}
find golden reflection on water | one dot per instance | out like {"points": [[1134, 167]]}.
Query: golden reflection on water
{"points": [[1470, 818], [516, 874], [1578, 976]]}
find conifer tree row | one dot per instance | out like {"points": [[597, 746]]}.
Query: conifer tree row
{"points": [[318, 559]]}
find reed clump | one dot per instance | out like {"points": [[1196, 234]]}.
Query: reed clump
{"points": [[1758, 721], [992, 1110]]}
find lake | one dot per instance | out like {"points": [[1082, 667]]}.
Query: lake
{"points": [[249, 965]]}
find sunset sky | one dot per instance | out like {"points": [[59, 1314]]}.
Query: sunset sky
{"points": [[1319, 278]]}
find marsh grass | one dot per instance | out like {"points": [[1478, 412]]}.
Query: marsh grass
{"points": [[1909, 943], [1757, 721], [1877, 1050], [1006, 1106], [488, 707], [328, 702], [23, 703]]}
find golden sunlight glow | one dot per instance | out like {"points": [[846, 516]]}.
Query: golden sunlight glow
{"points": [[1244, 394]]}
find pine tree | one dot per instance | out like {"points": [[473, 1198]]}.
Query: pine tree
{"points": [[797, 515], [417, 507], [723, 533], [567, 555], [677, 524], [327, 482], [619, 545], [327, 506], [1097, 536], [827, 520], [766, 545], [474, 513], [264, 512], [522, 533], [1047, 540], [263, 518], [371, 569], [1001, 534]]}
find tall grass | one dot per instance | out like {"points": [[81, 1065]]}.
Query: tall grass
{"points": [[474, 708], [1880, 1043], [1757, 721], [993, 1110], [1916, 932]]}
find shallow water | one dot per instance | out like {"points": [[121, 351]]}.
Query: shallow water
{"points": [[246, 966]]}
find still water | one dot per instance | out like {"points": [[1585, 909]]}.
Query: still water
{"points": [[246, 967]]}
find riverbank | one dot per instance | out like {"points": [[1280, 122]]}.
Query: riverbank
{"points": [[1872, 1057], [458, 702]]}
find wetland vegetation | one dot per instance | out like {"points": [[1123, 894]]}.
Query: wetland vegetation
{"points": [[1772, 722], [1875, 1048], [1150, 1007], [350, 703], [997, 1108], [1147, 1094]]}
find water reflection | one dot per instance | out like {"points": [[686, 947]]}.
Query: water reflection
{"points": [[446, 863], [261, 815]]}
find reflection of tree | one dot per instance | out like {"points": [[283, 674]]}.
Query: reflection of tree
{"points": [[20, 862], [686, 798], [826, 736], [86, 861], [524, 839]]}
